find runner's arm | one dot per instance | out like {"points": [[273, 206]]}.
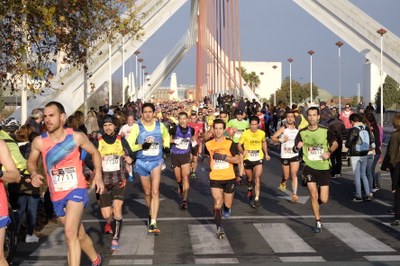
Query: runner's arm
{"points": [[278, 133], [11, 175], [36, 147]]}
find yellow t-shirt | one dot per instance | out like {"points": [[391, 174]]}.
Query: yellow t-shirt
{"points": [[253, 143]]}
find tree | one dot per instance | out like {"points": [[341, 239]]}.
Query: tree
{"points": [[300, 92], [391, 95], [251, 79], [35, 32]]}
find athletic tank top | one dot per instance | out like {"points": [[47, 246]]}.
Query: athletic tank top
{"points": [[287, 147], [155, 138], [62, 165]]}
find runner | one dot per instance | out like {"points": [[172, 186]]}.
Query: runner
{"points": [[181, 139], [115, 155], [60, 150], [124, 132], [289, 159], [317, 145], [148, 137], [197, 142], [253, 146], [9, 175], [237, 127], [223, 154]]}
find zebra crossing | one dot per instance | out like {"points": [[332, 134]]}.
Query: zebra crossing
{"points": [[279, 241]]}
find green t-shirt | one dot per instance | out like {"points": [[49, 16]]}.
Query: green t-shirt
{"points": [[315, 144], [241, 126]]}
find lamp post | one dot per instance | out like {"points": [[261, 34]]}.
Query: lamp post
{"points": [[274, 67], [311, 52], [140, 60], [136, 73], [340, 44], [381, 32], [143, 80], [290, 60]]}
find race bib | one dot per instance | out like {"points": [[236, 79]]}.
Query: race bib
{"points": [[64, 178], [287, 148], [315, 153], [183, 145], [219, 165], [154, 150], [254, 156], [111, 163]]}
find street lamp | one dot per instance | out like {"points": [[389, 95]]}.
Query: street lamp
{"points": [[143, 79], [381, 32], [340, 44], [136, 73], [311, 52], [140, 60], [274, 67], [290, 81]]}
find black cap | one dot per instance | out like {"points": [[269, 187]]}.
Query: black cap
{"points": [[110, 119], [322, 103], [239, 112]]}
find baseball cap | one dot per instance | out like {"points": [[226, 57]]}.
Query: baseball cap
{"points": [[239, 112]]}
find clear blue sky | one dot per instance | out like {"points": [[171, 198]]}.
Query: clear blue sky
{"points": [[274, 30]]}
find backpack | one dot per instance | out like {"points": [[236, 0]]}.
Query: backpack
{"points": [[363, 140]]}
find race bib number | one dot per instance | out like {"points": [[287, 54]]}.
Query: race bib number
{"points": [[219, 165], [183, 145], [315, 153], [154, 150], [111, 163], [238, 134], [287, 148], [64, 178], [254, 156]]}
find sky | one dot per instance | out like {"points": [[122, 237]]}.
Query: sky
{"points": [[274, 30]]}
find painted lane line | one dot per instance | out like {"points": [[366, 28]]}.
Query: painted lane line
{"points": [[282, 239], [43, 263], [131, 262], [205, 241], [357, 239], [213, 261], [383, 258], [245, 217], [55, 245], [303, 259]]}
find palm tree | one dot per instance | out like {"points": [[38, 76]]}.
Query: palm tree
{"points": [[253, 80]]}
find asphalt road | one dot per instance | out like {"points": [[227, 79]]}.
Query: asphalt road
{"points": [[279, 232]]}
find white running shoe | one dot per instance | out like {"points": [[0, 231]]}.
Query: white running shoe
{"points": [[31, 239]]}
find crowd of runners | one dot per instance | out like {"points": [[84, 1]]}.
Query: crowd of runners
{"points": [[59, 155]]}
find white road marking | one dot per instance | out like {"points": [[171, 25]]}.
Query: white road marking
{"points": [[245, 217], [211, 261], [383, 258], [282, 239], [130, 262], [302, 259], [205, 241], [357, 239], [55, 245], [136, 242]]}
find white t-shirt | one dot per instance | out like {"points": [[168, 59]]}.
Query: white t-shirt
{"points": [[125, 130]]}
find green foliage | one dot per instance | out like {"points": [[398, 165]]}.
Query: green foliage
{"points": [[35, 32], [300, 92], [391, 95], [251, 79]]}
